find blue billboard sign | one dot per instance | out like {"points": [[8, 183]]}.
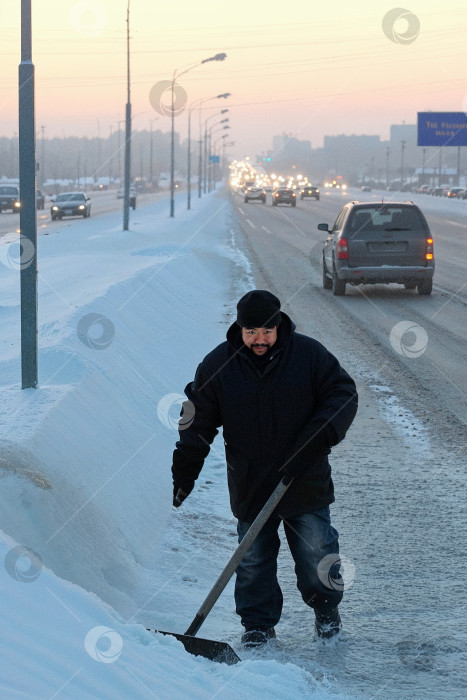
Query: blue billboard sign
{"points": [[214, 159], [442, 129]]}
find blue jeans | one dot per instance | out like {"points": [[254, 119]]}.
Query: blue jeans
{"points": [[310, 537]]}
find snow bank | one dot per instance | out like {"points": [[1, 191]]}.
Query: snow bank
{"points": [[60, 641], [118, 311]]}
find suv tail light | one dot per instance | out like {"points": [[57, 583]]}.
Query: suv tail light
{"points": [[429, 249], [342, 249]]}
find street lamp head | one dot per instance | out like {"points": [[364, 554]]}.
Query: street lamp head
{"points": [[224, 94], [217, 57], [223, 111], [222, 121]]}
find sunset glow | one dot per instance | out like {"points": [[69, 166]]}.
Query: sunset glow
{"points": [[307, 69]]}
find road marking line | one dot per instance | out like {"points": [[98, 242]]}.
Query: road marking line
{"points": [[265, 229], [455, 223], [251, 223], [241, 211]]}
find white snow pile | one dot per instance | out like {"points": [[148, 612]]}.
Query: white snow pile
{"points": [[124, 317]]}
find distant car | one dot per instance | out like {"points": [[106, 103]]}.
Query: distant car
{"points": [[99, 187], [378, 242], [437, 191], [9, 198], [454, 193], [366, 188], [70, 204], [121, 195], [252, 193], [309, 191], [284, 195], [40, 199]]}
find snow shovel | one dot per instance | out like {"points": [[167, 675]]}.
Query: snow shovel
{"points": [[221, 651]]}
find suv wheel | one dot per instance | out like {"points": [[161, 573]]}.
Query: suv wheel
{"points": [[327, 282], [246, 200], [338, 287], [425, 287]]}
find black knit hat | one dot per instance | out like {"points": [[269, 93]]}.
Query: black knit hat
{"points": [[259, 309]]}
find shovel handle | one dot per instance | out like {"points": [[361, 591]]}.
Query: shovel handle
{"points": [[251, 534]]}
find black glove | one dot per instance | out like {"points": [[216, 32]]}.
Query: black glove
{"points": [[180, 493], [309, 450]]}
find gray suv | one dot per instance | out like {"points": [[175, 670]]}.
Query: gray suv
{"points": [[378, 242]]}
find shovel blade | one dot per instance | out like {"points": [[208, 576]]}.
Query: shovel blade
{"points": [[212, 650]]}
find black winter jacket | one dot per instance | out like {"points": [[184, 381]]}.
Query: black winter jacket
{"points": [[267, 419]]}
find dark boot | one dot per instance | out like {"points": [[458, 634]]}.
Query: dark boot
{"points": [[327, 622], [256, 637]]}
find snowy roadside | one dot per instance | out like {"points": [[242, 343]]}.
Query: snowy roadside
{"points": [[86, 489]]}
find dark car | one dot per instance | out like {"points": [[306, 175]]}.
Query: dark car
{"points": [[455, 193], [284, 195], [9, 198], [376, 242], [40, 199], [71, 204], [309, 191], [253, 192]]}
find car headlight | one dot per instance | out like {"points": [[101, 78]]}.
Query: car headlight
{"points": [[81, 206], [54, 208], [17, 205]]}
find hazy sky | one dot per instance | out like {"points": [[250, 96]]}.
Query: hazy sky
{"points": [[302, 67]]}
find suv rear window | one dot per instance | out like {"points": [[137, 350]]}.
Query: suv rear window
{"points": [[386, 218]]}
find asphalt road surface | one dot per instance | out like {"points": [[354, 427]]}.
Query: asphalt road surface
{"points": [[427, 362], [101, 203]]}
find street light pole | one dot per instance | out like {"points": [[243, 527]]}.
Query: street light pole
{"points": [[151, 158], [403, 142], [213, 116], [28, 220], [126, 189], [197, 103], [177, 74], [210, 166]]}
